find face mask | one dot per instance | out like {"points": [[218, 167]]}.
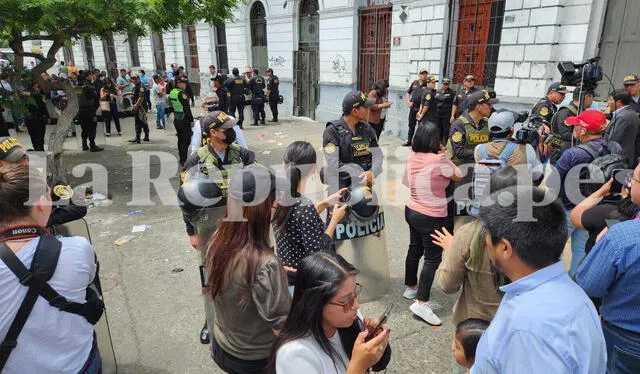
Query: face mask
{"points": [[230, 136]]}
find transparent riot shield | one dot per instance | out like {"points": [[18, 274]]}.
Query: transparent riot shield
{"points": [[103, 333], [360, 239]]}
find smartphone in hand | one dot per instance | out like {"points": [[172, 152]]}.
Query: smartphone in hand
{"points": [[381, 321]]}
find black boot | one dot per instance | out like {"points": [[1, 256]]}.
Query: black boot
{"points": [[134, 140], [85, 147], [204, 334], [262, 122], [95, 148], [255, 123]]}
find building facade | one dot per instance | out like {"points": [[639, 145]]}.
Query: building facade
{"points": [[321, 49]]}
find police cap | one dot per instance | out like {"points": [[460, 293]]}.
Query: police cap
{"points": [[354, 100], [481, 97], [446, 80], [557, 87]]}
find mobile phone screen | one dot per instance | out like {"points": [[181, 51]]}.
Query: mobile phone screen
{"points": [[384, 317], [619, 176]]}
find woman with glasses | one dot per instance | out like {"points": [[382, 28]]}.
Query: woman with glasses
{"points": [[109, 92], [324, 332], [246, 280]]}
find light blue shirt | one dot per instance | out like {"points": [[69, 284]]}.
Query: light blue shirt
{"points": [[545, 324], [124, 80]]}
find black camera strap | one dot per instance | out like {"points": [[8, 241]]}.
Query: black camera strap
{"points": [[43, 267]]}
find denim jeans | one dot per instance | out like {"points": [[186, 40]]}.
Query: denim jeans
{"points": [[623, 349], [160, 121], [578, 243]]}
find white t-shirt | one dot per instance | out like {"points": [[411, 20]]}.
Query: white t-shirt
{"points": [[305, 356], [51, 341], [155, 90]]}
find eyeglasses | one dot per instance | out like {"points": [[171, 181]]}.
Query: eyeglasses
{"points": [[348, 305], [630, 179]]}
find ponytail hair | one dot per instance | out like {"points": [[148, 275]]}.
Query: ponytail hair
{"points": [[299, 159]]}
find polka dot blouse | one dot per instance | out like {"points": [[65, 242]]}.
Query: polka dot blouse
{"points": [[302, 234]]}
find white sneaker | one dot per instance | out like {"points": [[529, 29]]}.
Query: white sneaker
{"points": [[107, 134], [410, 294], [423, 311]]}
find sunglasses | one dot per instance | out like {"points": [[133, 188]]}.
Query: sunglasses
{"points": [[348, 305]]}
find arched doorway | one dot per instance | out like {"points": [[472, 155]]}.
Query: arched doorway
{"points": [[258, 37], [306, 60]]}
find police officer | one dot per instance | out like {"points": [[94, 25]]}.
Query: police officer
{"points": [[460, 104], [273, 92], [414, 99], [257, 86], [350, 146], [444, 100], [546, 107], [183, 118], [236, 86], [87, 106], [471, 128], [632, 84], [139, 109], [563, 132], [215, 159], [428, 107], [224, 96]]}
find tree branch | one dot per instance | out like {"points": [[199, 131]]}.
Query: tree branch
{"points": [[32, 54], [36, 37]]}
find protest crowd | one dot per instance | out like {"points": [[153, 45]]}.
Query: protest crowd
{"points": [[534, 186]]}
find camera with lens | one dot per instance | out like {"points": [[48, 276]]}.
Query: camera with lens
{"points": [[529, 133], [587, 74]]}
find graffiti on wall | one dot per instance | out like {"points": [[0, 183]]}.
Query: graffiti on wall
{"points": [[277, 61], [339, 66]]}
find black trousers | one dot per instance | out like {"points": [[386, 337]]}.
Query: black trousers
{"points": [[111, 115], [36, 125], [239, 105], [273, 104], [233, 365], [420, 244], [184, 132], [412, 123], [377, 127], [4, 129], [89, 126], [141, 123], [444, 126], [257, 106]]}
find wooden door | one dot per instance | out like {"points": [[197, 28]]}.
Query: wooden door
{"points": [[259, 54], [375, 47], [191, 57]]}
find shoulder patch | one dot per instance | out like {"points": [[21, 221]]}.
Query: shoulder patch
{"points": [[428, 97], [184, 95], [141, 89], [330, 148], [64, 192], [544, 111], [457, 136]]}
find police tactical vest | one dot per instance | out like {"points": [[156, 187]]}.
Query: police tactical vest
{"points": [[237, 86], [206, 157], [85, 103], [557, 137], [174, 98], [473, 137]]}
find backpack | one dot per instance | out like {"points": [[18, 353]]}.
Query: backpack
{"points": [[43, 266], [604, 159], [484, 169]]}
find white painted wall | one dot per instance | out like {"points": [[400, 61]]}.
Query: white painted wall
{"points": [[338, 46]]}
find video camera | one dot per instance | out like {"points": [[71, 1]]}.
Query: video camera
{"points": [[588, 73], [529, 133]]}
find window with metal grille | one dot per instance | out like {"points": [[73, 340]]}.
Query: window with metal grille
{"points": [[157, 43], [309, 33], [474, 40], [133, 49], [258, 25], [221, 50]]}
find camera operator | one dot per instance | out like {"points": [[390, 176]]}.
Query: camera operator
{"points": [[501, 134], [563, 132]]}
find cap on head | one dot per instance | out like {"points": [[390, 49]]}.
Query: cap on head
{"points": [[469, 77], [482, 97], [235, 71], [431, 79], [10, 149], [182, 80], [446, 80], [256, 71], [269, 70], [500, 122], [557, 87], [134, 76], [631, 79], [424, 71], [354, 100], [217, 120], [591, 120]]}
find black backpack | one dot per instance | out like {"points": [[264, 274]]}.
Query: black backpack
{"points": [[604, 159], [42, 269]]}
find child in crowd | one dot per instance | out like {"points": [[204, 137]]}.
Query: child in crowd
{"points": [[468, 333]]}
